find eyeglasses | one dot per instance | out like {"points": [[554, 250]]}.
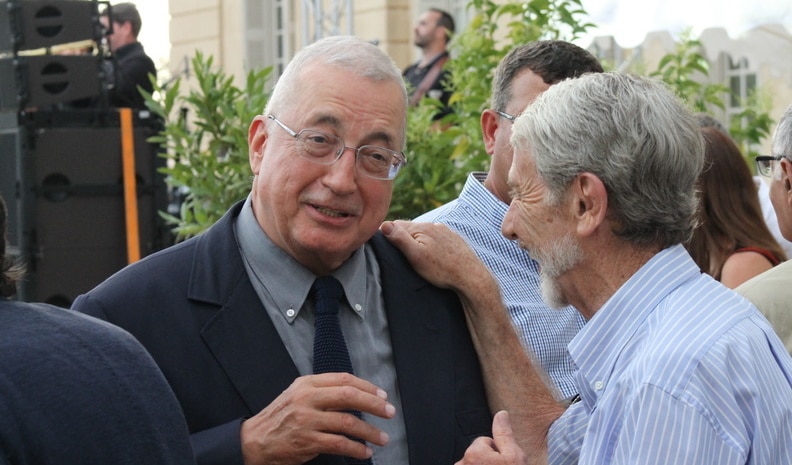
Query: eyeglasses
{"points": [[766, 164], [325, 149], [506, 115]]}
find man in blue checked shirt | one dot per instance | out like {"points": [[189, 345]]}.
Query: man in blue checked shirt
{"points": [[476, 215], [672, 367]]}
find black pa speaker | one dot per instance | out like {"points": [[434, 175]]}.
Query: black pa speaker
{"points": [[35, 24], [11, 139], [78, 234], [42, 80]]}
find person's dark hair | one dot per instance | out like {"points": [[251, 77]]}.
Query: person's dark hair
{"points": [[125, 12], [730, 216], [707, 121], [552, 60], [10, 270], [445, 20]]}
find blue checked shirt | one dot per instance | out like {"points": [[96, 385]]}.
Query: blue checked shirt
{"points": [[677, 369], [477, 216]]}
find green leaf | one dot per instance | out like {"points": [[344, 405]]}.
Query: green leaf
{"points": [[205, 136]]}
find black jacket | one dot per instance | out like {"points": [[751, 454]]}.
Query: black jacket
{"points": [[193, 307], [129, 68]]}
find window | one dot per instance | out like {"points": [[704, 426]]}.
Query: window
{"points": [[742, 83], [267, 34]]}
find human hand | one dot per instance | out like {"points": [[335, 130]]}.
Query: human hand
{"points": [[437, 253], [501, 449], [309, 418]]}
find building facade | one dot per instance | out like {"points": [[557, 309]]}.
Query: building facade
{"points": [[250, 34], [760, 60]]}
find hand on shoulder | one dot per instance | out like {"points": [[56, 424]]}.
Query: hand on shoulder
{"points": [[440, 255]]}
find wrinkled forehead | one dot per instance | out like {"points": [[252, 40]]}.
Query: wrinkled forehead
{"points": [[522, 169], [341, 97]]}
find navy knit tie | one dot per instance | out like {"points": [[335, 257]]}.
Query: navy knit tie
{"points": [[330, 354], [330, 349]]}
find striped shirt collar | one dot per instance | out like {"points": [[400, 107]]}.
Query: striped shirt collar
{"points": [[601, 342]]}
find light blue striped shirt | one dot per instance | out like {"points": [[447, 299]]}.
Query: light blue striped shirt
{"points": [[476, 215], [677, 369]]}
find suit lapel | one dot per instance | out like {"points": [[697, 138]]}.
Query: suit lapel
{"points": [[246, 344], [422, 353], [241, 335]]}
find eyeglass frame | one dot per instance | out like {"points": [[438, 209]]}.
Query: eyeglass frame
{"points": [[768, 170], [392, 172], [509, 117]]}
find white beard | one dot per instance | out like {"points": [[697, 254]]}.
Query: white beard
{"points": [[561, 256]]}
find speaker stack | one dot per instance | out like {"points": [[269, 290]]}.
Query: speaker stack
{"points": [[61, 165]]}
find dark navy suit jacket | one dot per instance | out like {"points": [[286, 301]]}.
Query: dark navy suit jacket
{"points": [[76, 390], [195, 310]]}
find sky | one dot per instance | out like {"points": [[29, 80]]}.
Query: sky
{"points": [[154, 31], [627, 20]]}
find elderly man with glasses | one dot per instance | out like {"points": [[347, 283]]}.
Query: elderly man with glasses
{"points": [[771, 291], [229, 315]]}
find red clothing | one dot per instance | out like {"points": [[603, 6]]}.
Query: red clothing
{"points": [[766, 253]]}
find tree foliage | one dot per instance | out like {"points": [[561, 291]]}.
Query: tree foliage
{"points": [[205, 130], [205, 141], [686, 70], [441, 154]]}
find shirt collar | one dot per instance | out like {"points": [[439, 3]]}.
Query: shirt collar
{"points": [[285, 280], [486, 206], [599, 344]]}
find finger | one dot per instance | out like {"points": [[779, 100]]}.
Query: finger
{"points": [[351, 427], [503, 439], [397, 233], [415, 240], [481, 450], [343, 391], [346, 379], [502, 434], [336, 444]]}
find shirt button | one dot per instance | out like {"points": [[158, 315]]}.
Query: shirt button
{"points": [[358, 308], [598, 385], [290, 312]]}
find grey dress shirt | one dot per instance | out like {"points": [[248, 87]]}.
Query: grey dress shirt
{"points": [[283, 286]]}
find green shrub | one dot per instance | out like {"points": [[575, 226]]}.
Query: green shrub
{"points": [[686, 70], [205, 137], [441, 154], [206, 131]]}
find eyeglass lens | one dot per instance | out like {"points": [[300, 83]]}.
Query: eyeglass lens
{"points": [[377, 162]]}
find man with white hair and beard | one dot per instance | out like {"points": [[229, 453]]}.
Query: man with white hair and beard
{"points": [[672, 367]]}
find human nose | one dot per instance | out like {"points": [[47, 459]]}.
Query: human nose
{"points": [[342, 174], [507, 225]]}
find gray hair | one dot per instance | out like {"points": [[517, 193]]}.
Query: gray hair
{"points": [[552, 60], [633, 134], [346, 52], [782, 137]]}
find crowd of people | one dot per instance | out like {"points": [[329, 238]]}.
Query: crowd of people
{"points": [[572, 305]]}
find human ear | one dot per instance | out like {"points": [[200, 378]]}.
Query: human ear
{"points": [[489, 124], [590, 203], [257, 139]]}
